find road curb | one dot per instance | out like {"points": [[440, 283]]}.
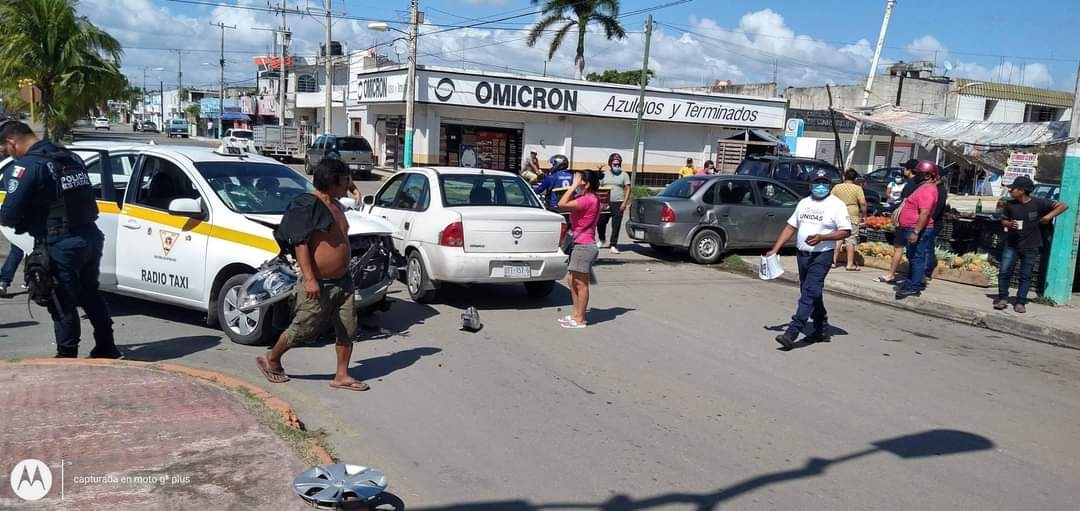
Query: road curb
{"points": [[228, 382], [1010, 324]]}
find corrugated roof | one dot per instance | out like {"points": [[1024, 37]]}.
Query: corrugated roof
{"points": [[1055, 98]]}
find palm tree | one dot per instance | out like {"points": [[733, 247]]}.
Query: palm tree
{"points": [[73, 63], [576, 13]]}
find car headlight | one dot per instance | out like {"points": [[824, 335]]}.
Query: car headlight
{"points": [[267, 287]]}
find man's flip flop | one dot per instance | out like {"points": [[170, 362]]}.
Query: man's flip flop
{"points": [[271, 375], [355, 386], [886, 281], [853, 268]]}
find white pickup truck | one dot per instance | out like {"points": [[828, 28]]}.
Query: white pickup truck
{"points": [[188, 225]]}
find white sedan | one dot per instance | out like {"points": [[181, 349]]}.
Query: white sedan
{"points": [[470, 226], [101, 123]]}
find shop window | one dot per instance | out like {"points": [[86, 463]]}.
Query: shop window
{"points": [[306, 83]]}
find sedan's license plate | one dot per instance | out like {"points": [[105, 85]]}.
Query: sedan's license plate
{"points": [[637, 234], [516, 272], [354, 166]]}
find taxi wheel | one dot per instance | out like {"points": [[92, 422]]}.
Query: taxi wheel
{"points": [[247, 328]]}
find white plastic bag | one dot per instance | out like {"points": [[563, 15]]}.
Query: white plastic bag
{"points": [[770, 267]]}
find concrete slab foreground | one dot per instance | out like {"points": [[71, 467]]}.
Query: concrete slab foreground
{"points": [[139, 436]]}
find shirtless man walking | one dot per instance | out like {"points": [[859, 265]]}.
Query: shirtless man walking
{"points": [[316, 227]]}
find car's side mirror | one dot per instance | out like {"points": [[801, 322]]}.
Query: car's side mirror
{"points": [[369, 200], [191, 208]]}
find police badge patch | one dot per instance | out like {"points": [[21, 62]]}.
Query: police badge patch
{"points": [[13, 184]]}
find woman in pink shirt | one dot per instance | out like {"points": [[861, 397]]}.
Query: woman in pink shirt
{"points": [[584, 206]]}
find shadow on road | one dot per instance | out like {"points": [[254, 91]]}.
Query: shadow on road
{"points": [[938, 442], [501, 297], [18, 324], [378, 367], [597, 316], [120, 306], [403, 315], [168, 349]]}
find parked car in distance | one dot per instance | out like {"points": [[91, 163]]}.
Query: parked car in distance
{"points": [[470, 226], [879, 179], [177, 128], [712, 214], [354, 151], [101, 123], [241, 138], [148, 126], [791, 171]]}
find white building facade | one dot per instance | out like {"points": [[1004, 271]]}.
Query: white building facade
{"points": [[500, 118]]}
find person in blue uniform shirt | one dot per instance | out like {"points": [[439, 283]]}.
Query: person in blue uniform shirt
{"points": [[558, 179], [51, 198]]}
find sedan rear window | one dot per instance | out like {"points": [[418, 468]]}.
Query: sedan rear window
{"points": [[759, 168], [353, 144], [486, 190], [684, 188]]}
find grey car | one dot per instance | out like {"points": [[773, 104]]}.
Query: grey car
{"points": [[354, 151], [712, 214]]}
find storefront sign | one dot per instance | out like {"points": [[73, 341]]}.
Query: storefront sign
{"points": [[554, 97], [1020, 164]]}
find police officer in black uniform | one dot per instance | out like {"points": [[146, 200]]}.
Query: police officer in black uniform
{"points": [[50, 197]]}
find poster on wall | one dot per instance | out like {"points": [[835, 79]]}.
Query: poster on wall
{"points": [[468, 155]]}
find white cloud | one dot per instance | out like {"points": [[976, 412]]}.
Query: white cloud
{"points": [[928, 47]]}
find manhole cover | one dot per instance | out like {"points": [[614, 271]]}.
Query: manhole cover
{"points": [[339, 486]]}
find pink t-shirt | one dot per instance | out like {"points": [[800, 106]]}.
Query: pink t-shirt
{"points": [[583, 219], [924, 197]]}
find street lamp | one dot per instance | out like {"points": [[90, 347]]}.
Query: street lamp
{"points": [[410, 80], [144, 70]]}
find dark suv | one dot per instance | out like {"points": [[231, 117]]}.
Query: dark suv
{"points": [[794, 172], [354, 151], [791, 171]]}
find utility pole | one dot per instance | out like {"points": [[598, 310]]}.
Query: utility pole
{"points": [[410, 83], [221, 79], [282, 44], [1060, 272], [161, 96], [328, 127], [641, 100], [870, 79], [179, 82], [892, 136]]}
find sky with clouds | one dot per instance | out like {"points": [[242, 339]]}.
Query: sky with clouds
{"points": [[800, 43]]}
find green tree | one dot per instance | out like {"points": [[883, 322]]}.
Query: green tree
{"points": [[570, 14], [73, 62], [193, 111], [632, 77]]}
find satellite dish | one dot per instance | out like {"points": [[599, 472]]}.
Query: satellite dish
{"points": [[948, 66]]}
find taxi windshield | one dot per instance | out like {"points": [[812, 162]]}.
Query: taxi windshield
{"points": [[254, 188]]}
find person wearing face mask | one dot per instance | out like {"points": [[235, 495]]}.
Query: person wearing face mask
{"points": [[895, 188], [51, 198], [917, 229], [619, 183], [819, 222]]}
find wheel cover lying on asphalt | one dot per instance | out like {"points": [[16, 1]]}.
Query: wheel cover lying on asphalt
{"points": [[339, 485], [239, 322]]}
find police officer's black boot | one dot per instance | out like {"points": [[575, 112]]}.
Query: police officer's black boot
{"points": [[105, 346]]}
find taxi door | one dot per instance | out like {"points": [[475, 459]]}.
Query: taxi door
{"points": [[394, 203], [161, 254]]}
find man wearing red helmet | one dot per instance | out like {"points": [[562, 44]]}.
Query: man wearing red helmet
{"points": [[917, 229]]}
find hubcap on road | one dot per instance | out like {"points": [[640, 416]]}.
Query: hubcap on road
{"points": [[242, 323]]}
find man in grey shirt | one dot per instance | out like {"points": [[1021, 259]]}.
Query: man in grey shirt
{"points": [[619, 183]]}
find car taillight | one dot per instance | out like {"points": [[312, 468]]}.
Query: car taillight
{"points": [[667, 215], [453, 235], [562, 231]]}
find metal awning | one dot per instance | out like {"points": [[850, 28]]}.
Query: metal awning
{"points": [[982, 142], [234, 116]]}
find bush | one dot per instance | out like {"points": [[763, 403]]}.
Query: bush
{"points": [[639, 192]]}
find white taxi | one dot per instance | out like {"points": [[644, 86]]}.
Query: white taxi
{"points": [[470, 226], [188, 225]]}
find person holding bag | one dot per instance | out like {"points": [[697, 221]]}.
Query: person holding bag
{"points": [[584, 206]]}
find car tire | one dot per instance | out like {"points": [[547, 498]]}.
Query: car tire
{"points": [[307, 166], [663, 249], [707, 247], [417, 281], [244, 332], [540, 289]]}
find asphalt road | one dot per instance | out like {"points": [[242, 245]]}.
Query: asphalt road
{"points": [[676, 397]]}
